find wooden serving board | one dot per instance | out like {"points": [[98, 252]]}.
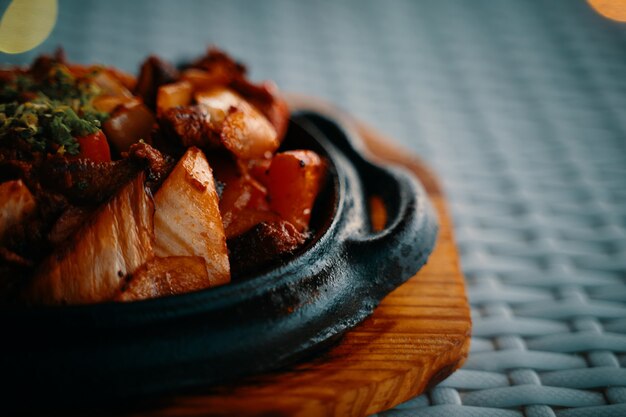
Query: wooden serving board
{"points": [[417, 336]]}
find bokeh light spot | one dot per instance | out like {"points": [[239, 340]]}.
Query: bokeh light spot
{"points": [[26, 24], [611, 9]]}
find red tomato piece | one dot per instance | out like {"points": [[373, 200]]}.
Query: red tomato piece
{"points": [[94, 147], [294, 180]]}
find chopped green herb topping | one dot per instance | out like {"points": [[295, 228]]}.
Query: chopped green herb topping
{"points": [[49, 115]]}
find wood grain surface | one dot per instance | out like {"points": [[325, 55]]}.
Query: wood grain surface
{"points": [[417, 336]]}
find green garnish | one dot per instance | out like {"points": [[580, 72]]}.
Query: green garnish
{"points": [[49, 115]]}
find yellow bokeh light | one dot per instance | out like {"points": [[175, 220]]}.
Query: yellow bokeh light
{"points": [[612, 9], [26, 24]]}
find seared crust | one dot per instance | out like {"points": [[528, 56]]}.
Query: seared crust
{"points": [[265, 243]]}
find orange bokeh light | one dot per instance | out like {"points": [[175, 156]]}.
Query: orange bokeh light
{"points": [[611, 9]]}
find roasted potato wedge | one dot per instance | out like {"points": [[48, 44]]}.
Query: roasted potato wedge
{"points": [[173, 95], [165, 276], [187, 219], [91, 267]]}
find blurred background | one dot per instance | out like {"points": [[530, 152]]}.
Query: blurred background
{"points": [[421, 71], [520, 106]]}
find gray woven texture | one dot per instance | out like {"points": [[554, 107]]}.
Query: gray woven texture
{"points": [[520, 106]]}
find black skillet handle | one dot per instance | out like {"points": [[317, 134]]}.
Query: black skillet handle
{"points": [[396, 253], [390, 256]]}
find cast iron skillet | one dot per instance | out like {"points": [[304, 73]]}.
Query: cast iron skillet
{"points": [[117, 351]]}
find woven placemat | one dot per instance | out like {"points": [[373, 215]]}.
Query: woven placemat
{"points": [[520, 106]]}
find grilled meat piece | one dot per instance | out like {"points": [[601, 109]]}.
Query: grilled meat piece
{"points": [[262, 245], [154, 73], [156, 165], [83, 181], [28, 239], [191, 126]]}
